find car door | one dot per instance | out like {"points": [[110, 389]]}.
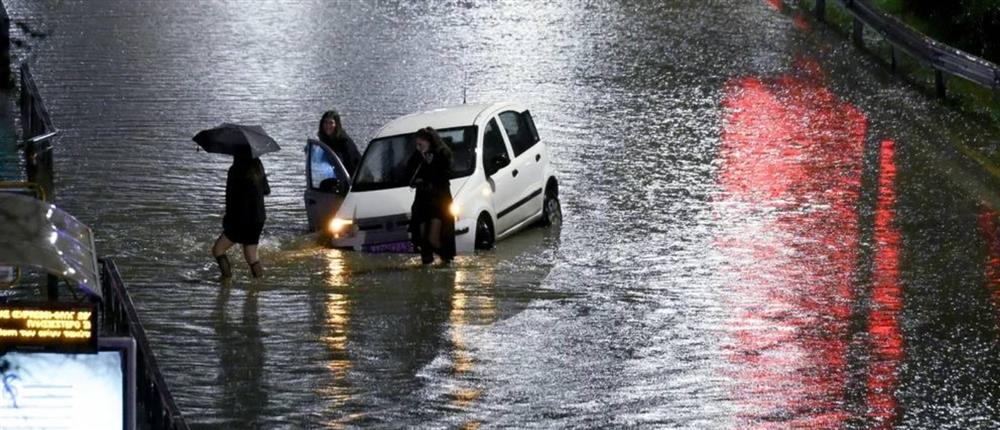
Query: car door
{"points": [[526, 166], [496, 163], [327, 183]]}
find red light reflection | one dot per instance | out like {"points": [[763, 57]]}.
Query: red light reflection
{"points": [[792, 156], [988, 226], [800, 22], [883, 319]]}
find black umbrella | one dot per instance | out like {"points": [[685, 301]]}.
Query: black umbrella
{"points": [[234, 138]]}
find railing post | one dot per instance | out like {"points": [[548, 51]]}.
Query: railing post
{"points": [[858, 35], [34, 123], [820, 10], [52, 287], [151, 390], [892, 58], [38, 160], [996, 84], [6, 79], [939, 84]]}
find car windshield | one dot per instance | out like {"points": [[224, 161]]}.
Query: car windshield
{"points": [[384, 162]]}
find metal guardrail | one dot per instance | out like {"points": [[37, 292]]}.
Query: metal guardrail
{"points": [[37, 132], [5, 79], [35, 118], [943, 58], [156, 404], [25, 188]]}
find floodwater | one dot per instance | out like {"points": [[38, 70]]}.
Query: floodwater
{"points": [[763, 229]]}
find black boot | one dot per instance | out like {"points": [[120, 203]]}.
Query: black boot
{"points": [[225, 268], [257, 269], [426, 258], [426, 253]]}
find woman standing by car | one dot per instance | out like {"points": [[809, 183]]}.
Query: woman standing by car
{"points": [[246, 186], [432, 226], [331, 132]]}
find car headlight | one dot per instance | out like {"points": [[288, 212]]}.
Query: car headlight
{"points": [[455, 210], [338, 225]]}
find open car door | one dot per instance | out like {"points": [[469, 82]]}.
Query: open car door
{"points": [[327, 183]]}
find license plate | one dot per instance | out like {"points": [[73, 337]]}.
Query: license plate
{"points": [[398, 247], [7, 274]]}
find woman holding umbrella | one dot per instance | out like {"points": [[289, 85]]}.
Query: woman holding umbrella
{"points": [[246, 186]]}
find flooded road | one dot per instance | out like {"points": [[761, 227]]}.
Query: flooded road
{"points": [[761, 228]]}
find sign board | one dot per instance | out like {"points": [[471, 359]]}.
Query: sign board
{"points": [[69, 391], [48, 327]]}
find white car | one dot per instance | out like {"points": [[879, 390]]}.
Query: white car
{"points": [[502, 180]]}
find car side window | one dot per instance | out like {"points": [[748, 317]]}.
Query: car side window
{"points": [[518, 131], [320, 166], [493, 146]]}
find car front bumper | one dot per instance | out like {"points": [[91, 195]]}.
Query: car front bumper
{"points": [[391, 234]]}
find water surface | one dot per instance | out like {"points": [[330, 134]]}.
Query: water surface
{"points": [[762, 227]]}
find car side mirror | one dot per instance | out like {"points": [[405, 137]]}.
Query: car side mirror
{"points": [[334, 185], [343, 187], [498, 162]]}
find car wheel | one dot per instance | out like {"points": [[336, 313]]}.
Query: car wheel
{"points": [[551, 210], [485, 235]]}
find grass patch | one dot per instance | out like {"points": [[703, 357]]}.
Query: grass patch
{"points": [[891, 6]]}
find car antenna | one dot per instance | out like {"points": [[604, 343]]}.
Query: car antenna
{"points": [[465, 84]]}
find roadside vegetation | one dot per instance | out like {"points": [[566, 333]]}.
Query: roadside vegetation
{"points": [[969, 25]]}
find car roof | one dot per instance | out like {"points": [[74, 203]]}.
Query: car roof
{"points": [[440, 118]]}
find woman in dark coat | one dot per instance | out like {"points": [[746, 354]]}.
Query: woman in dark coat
{"points": [[331, 132], [246, 186], [432, 225]]}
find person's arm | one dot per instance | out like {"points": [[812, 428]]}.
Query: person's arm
{"points": [[233, 193], [441, 172], [354, 155], [413, 167]]}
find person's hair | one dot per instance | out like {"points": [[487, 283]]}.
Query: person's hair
{"points": [[336, 118], [252, 167], [437, 145], [242, 155], [256, 172]]}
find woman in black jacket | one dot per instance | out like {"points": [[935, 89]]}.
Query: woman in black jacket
{"points": [[432, 226], [246, 186], [331, 132]]}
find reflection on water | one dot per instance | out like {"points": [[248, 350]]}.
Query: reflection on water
{"points": [[458, 319], [337, 322], [337, 272], [792, 155], [472, 304], [337, 390], [336, 333], [887, 301], [991, 234], [761, 231], [242, 349]]}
